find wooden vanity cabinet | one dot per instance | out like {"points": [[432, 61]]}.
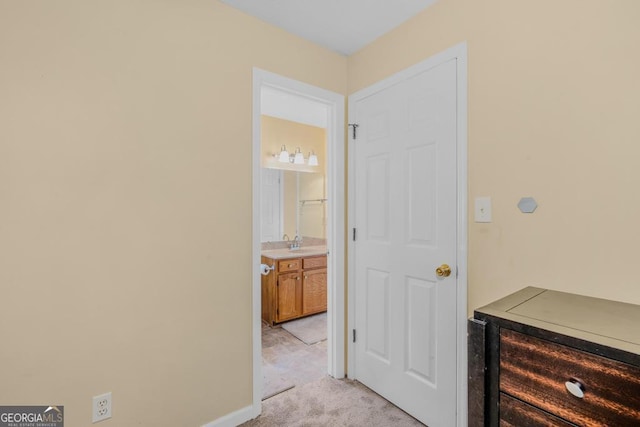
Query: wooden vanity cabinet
{"points": [[296, 287], [548, 358]]}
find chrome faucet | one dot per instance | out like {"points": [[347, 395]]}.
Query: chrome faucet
{"points": [[296, 242]]}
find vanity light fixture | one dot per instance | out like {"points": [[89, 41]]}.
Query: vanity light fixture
{"points": [[296, 158]]}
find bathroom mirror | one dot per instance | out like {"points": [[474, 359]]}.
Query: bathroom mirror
{"points": [[294, 203], [293, 193], [310, 215]]}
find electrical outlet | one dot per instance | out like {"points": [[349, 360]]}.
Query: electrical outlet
{"points": [[101, 407]]}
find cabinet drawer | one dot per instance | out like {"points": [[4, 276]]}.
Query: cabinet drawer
{"points": [[314, 262], [289, 265], [514, 413], [535, 371]]}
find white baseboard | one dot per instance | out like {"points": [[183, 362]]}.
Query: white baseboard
{"points": [[234, 418]]}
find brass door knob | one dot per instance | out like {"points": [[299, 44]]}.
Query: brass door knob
{"points": [[443, 271]]}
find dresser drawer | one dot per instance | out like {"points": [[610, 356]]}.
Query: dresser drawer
{"points": [[535, 371], [315, 262], [514, 413], [292, 264]]}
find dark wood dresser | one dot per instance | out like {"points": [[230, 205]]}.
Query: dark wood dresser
{"points": [[546, 358]]}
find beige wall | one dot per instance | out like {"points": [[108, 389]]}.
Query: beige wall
{"points": [[553, 113], [125, 233]]}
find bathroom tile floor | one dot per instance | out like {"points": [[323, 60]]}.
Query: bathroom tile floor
{"points": [[288, 362]]}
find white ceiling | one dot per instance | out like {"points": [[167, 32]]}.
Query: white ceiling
{"points": [[344, 26]]}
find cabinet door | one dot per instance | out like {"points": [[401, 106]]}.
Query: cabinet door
{"points": [[289, 296], [314, 291]]}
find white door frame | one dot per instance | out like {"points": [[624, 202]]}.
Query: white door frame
{"points": [[458, 52], [334, 104]]}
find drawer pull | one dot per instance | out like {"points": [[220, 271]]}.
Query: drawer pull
{"points": [[575, 387]]}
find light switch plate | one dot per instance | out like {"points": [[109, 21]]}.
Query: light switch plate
{"points": [[483, 209]]}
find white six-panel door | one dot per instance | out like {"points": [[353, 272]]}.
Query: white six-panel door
{"points": [[406, 216]]}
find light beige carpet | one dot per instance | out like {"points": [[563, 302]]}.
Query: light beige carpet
{"points": [[331, 402], [309, 330]]}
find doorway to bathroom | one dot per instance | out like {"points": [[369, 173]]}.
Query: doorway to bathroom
{"points": [[298, 224]]}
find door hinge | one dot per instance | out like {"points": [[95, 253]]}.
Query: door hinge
{"points": [[354, 234], [354, 126], [354, 335]]}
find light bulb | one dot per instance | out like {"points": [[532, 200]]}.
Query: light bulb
{"points": [[284, 155], [313, 159]]}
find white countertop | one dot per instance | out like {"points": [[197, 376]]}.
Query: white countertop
{"points": [[304, 251]]}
